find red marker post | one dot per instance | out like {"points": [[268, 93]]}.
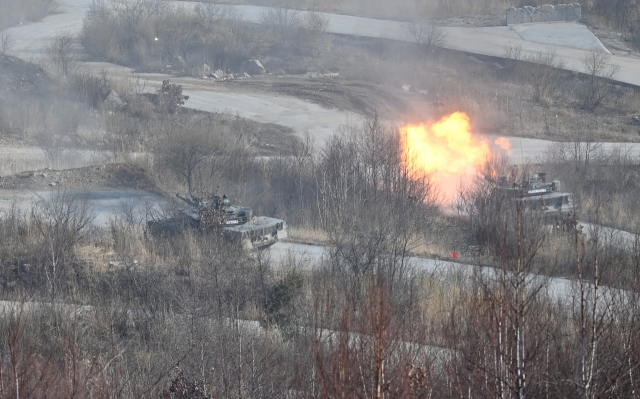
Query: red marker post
{"points": [[454, 254]]}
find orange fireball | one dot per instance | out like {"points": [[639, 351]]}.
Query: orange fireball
{"points": [[445, 152], [504, 143]]}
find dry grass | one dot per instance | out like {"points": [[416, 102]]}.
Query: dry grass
{"points": [[433, 248], [96, 257], [445, 238], [12, 164], [442, 292], [307, 235]]}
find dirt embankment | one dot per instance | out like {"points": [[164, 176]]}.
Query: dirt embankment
{"points": [[20, 80], [20, 83], [334, 93], [116, 175]]}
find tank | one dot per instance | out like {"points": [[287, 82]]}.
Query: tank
{"points": [[539, 195], [237, 223]]}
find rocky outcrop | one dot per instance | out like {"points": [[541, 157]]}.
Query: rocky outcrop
{"points": [[113, 101]]}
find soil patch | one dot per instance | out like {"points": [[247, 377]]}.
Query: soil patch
{"points": [[20, 80], [333, 93], [116, 176]]}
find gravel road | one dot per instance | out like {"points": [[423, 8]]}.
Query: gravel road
{"points": [[570, 40]]}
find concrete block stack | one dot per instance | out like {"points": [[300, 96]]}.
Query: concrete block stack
{"points": [[544, 13]]}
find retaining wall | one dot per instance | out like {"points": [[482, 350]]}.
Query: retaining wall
{"points": [[544, 13]]}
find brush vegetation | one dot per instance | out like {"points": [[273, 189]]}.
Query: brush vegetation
{"points": [[92, 311], [115, 311]]}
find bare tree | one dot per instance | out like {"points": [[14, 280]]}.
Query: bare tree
{"points": [[635, 34], [282, 21], [179, 30], [502, 337], [53, 146], [545, 76], [364, 193], [599, 70], [513, 52], [513, 55], [316, 22], [6, 41], [621, 12], [581, 152], [60, 53], [316, 25], [186, 154], [427, 35], [596, 338], [137, 12], [62, 221], [183, 387], [211, 12], [370, 351]]}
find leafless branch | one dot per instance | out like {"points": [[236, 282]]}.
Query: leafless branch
{"points": [[428, 35], [282, 21], [60, 53], [545, 76], [6, 41], [599, 70]]}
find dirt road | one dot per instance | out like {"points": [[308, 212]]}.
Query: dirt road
{"points": [[107, 190], [570, 40]]}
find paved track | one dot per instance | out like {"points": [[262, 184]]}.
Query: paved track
{"points": [[556, 288]]}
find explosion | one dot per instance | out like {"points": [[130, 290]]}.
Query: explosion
{"points": [[504, 143], [446, 152]]}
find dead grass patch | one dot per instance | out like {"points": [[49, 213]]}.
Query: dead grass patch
{"points": [[307, 235]]}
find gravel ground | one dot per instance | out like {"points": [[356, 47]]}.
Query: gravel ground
{"points": [[105, 188]]}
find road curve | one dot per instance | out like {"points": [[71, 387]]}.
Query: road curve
{"points": [[571, 42], [557, 289]]}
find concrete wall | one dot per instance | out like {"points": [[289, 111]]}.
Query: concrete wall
{"points": [[544, 13]]}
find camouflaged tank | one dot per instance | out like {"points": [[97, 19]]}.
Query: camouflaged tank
{"points": [[237, 223], [539, 195]]}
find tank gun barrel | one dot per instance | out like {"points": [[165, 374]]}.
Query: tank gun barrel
{"points": [[187, 200]]}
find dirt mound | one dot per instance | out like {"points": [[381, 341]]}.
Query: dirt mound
{"points": [[105, 176], [20, 80]]}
